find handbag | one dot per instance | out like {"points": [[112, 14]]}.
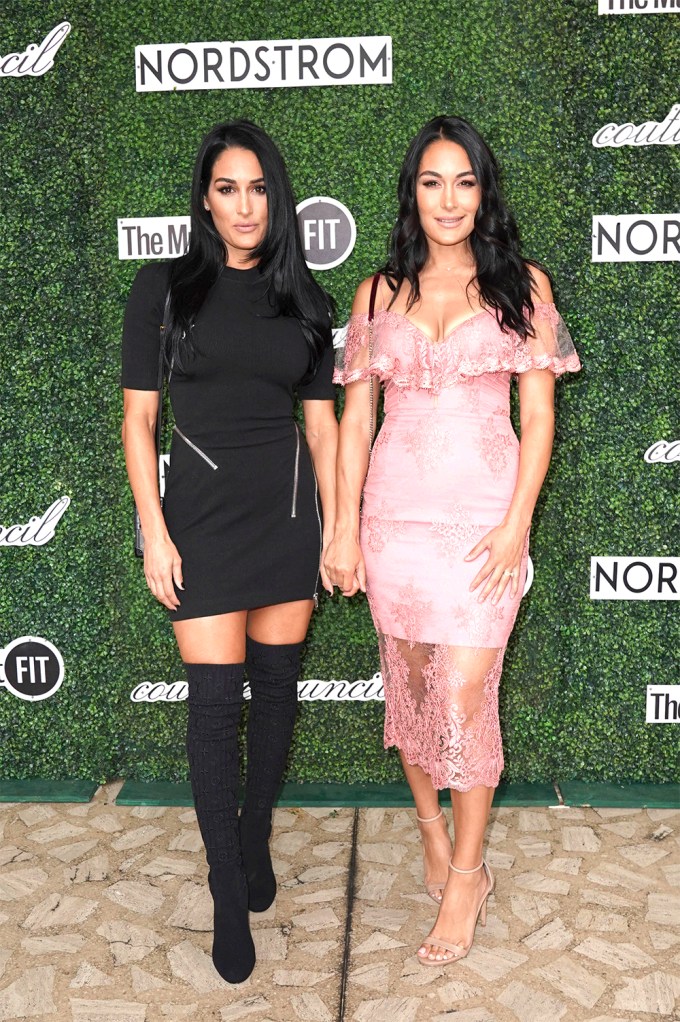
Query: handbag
{"points": [[373, 411], [139, 535]]}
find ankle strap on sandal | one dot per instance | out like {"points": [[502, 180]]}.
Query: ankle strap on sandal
{"points": [[474, 870], [429, 819]]}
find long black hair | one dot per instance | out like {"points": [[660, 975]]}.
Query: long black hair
{"points": [[502, 275], [291, 286]]}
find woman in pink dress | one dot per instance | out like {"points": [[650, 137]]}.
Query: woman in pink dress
{"points": [[449, 492]]}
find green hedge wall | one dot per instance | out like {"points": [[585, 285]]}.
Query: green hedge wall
{"points": [[80, 148]]}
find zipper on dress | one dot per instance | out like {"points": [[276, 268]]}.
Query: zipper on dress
{"points": [[195, 448], [296, 472], [318, 518]]}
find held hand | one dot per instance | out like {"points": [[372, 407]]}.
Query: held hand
{"points": [[505, 545], [162, 567], [344, 564], [323, 573]]}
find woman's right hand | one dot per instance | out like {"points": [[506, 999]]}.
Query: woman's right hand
{"points": [[344, 564], [162, 567]]}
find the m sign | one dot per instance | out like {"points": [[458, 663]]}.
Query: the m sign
{"points": [[636, 238]]}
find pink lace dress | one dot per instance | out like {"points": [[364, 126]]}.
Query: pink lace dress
{"points": [[442, 474]]}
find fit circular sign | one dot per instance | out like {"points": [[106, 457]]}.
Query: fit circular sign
{"points": [[32, 668], [327, 230]]}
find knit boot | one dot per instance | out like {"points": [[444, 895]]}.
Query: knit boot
{"points": [[215, 697], [273, 672]]}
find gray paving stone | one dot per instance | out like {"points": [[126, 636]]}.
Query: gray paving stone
{"points": [[64, 944], [329, 849], [573, 981], [377, 942], [57, 832], [299, 977], [457, 990], [107, 1011], [10, 853], [143, 981], [149, 812], [193, 908], [193, 966], [107, 823], [531, 820], [386, 918], [541, 884], [663, 909], [128, 942], [554, 936], [569, 866], [644, 855], [373, 820], [580, 839], [388, 1009], [655, 993], [390, 854], [601, 922], [249, 1006], [336, 824], [534, 849], [5, 955], [187, 841], [609, 874], [492, 963], [59, 910], [316, 874], [135, 896], [376, 885], [531, 908], [466, 1015], [618, 956], [90, 870], [165, 865], [606, 898], [309, 1007], [626, 828], [317, 919], [21, 883], [136, 838], [89, 975], [530, 1005], [499, 860], [291, 843], [318, 897], [271, 944], [36, 814], [374, 976], [30, 995]]}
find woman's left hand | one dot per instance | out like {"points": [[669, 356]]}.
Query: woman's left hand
{"points": [[505, 544], [323, 574]]}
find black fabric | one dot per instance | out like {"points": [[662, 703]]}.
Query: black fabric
{"points": [[273, 672], [248, 530], [215, 699]]}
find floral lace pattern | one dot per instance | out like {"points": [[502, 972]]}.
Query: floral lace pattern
{"points": [[406, 356], [495, 445], [380, 527], [441, 710], [455, 533], [429, 442], [410, 611]]}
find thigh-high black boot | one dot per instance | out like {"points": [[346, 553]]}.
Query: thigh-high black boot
{"points": [[215, 699], [273, 672]]}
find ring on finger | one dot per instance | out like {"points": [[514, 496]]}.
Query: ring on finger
{"points": [[510, 574]]}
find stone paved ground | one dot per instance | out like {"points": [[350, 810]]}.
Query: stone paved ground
{"points": [[105, 915]]}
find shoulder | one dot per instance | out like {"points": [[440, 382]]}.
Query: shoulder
{"points": [[362, 298], [540, 284], [154, 275]]}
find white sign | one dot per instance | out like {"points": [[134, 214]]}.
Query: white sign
{"points": [[330, 691], [636, 238], [264, 64], [666, 132], [153, 237], [638, 6], [327, 230], [663, 452], [635, 578], [663, 702], [31, 668], [37, 58], [38, 530]]}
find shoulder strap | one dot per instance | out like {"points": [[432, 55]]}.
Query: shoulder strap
{"points": [[161, 375], [371, 300]]}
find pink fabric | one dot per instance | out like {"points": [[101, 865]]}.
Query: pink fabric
{"points": [[442, 474]]}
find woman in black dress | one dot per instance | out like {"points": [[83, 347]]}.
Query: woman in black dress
{"points": [[235, 554]]}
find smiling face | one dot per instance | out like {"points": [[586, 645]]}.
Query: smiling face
{"points": [[237, 200], [448, 194]]}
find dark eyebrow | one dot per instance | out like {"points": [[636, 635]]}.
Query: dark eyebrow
{"points": [[231, 181], [434, 173]]}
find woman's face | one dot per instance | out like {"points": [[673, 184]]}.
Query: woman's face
{"points": [[237, 200], [447, 194]]}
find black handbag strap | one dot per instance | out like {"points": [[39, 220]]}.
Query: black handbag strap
{"points": [[161, 376]]}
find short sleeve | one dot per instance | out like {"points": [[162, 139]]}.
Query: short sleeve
{"points": [[320, 388], [352, 357], [550, 347], [141, 327]]}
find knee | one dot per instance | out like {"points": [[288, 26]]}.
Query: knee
{"points": [[273, 669]]}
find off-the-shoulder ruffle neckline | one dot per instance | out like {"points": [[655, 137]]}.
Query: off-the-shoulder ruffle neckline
{"points": [[452, 330]]}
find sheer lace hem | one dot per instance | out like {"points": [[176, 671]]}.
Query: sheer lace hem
{"points": [[441, 710], [477, 346]]}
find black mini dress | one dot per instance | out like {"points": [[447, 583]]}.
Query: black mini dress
{"points": [[241, 499]]}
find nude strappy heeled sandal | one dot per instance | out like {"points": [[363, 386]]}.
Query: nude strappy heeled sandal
{"points": [[434, 889], [460, 951]]}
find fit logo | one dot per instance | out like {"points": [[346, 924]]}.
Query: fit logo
{"points": [[663, 704], [327, 230], [31, 668]]}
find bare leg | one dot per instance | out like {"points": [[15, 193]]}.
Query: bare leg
{"points": [[463, 891], [435, 835]]}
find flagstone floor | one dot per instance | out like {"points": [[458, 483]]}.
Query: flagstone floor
{"points": [[105, 917]]}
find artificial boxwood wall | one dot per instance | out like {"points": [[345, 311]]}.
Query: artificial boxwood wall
{"points": [[80, 148]]}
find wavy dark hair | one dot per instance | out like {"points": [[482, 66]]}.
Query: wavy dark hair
{"points": [[502, 273], [291, 286]]}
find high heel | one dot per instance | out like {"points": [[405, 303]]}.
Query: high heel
{"points": [[434, 889], [459, 951]]}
